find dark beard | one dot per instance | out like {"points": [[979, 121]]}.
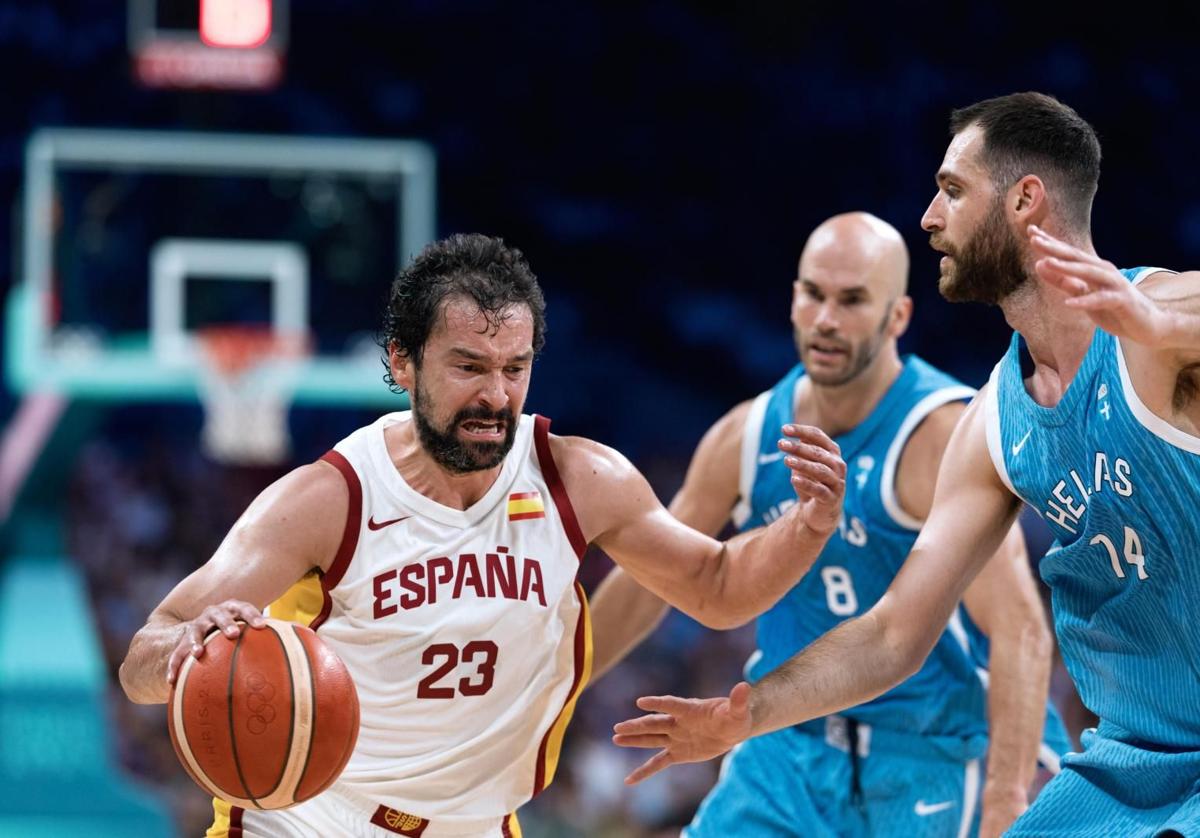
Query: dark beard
{"points": [[861, 355], [451, 453], [989, 268]]}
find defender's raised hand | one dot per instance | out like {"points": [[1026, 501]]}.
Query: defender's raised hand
{"points": [[818, 475], [1095, 286], [686, 729]]}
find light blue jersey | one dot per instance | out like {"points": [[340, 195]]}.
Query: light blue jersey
{"points": [[1120, 489], [946, 697], [909, 762]]}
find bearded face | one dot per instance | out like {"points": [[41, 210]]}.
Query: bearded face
{"points": [[987, 267], [832, 359], [443, 438]]}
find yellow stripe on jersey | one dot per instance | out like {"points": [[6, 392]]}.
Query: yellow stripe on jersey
{"points": [[514, 826], [559, 729], [300, 603], [220, 825]]}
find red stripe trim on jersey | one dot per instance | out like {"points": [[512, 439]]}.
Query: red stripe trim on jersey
{"points": [[541, 440], [235, 821], [341, 561], [539, 779], [525, 516], [505, 829]]}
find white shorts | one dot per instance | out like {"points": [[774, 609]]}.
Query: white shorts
{"points": [[336, 813]]}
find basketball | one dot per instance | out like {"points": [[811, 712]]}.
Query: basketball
{"points": [[265, 720]]}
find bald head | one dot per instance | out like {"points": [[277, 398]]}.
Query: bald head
{"points": [[858, 245], [848, 301]]}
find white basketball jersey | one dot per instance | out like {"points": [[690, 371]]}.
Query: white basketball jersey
{"points": [[464, 630]]}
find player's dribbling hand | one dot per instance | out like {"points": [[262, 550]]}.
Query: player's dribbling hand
{"points": [[223, 616], [818, 475], [686, 729], [1096, 287]]}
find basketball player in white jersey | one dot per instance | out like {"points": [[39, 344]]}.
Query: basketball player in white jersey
{"points": [[446, 542]]}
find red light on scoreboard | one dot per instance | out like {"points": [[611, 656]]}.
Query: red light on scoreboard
{"points": [[235, 23], [213, 44]]}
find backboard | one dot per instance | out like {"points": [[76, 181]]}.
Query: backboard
{"points": [[133, 240]]}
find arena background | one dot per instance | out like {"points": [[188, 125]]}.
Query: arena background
{"points": [[660, 164]]}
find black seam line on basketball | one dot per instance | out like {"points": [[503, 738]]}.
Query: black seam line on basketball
{"points": [[237, 763], [292, 716], [312, 703]]}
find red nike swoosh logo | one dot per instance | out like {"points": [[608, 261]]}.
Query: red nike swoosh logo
{"points": [[378, 525]]}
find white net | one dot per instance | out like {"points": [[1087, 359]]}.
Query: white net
{"points": [[247, 379]]}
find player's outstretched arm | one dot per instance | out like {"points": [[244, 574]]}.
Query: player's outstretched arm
{"points": [[292, 527], [623, 612], [686, 729], [1162, 313], [1003, 601], [720, 584], [863, 657]]}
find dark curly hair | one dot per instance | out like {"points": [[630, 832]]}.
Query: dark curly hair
{"points": [[481, 268], [1032, 133]]}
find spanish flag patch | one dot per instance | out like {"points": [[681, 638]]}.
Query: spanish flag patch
{"points": [[525, 505]]}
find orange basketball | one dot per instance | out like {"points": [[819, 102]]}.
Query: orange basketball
{"points": [[266, 720]]}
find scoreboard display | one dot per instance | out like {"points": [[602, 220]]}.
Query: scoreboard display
{"points": [[215, 44]]}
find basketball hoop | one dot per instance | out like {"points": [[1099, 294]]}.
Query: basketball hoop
{"points": [[247, 377]]}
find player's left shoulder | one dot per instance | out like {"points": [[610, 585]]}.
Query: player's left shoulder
{"points": [[921, 458], [932, 433], [584, 462], [587, 466], [1156, 363], [604, 486]]}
